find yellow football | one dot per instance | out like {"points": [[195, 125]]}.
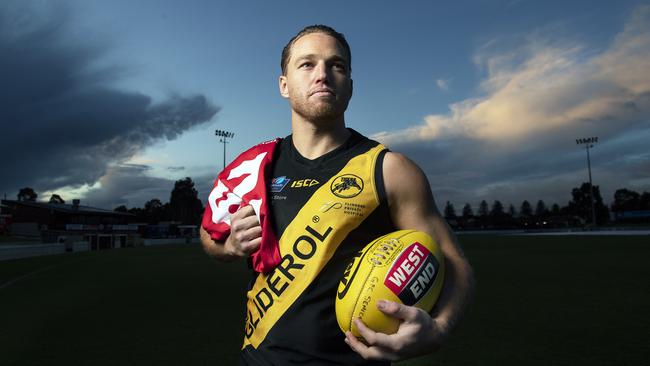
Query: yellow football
{"points": [[405, 266]]}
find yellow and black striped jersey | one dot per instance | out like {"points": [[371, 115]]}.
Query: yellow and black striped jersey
{"points": [[324, 211]]}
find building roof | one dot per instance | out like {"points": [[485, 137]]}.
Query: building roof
{"points": [[65, 208]]}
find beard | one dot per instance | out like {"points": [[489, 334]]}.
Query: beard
{"points": [[320, 111]]}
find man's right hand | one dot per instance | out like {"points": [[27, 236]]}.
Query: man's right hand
{"points": [[245, 233]]}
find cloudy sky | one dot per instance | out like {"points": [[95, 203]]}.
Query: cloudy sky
{"points": [[112, 101]]}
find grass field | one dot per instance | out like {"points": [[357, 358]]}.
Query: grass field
{"points": [[539, 301]]}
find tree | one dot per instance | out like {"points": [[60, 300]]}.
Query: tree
{"points": [[139, 213], [541, 210], [450, 212], [121, 208], [511, 211], [153, 210], [483, 214], [184, 204], [580, 205], [498, 217], [525, 214], [526, 210], [167, 212], [153, 205], [555, 210], [467, 211], [626, 200], [644, 201], [27, 194], [55, 198], [483, 209], [497, 209]]}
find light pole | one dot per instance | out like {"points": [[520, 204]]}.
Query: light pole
{"points": [[588, 142], [224, 135]]}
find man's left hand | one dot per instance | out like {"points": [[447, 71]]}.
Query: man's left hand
{"points": [[418, 334]]}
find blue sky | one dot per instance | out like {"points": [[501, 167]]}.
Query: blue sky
{"points": [[487, 96]]}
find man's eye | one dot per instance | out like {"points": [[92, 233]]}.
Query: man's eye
{"points": [[305, 64]]}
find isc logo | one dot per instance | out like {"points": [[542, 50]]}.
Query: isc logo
{"points": [[304, 183]]}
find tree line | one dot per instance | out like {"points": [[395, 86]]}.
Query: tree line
{"points": [[184, 206], [577, 212]]}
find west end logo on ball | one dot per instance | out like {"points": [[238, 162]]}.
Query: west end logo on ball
{"points": [[347, 186], [412, 274]]}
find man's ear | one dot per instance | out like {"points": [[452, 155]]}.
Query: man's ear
{"points": [[351, 86], [282, 83]]}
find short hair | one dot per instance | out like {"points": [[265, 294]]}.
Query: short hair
{"points": [[317, 28]]}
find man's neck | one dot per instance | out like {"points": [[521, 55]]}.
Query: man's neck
{"points": [[313, 140]]}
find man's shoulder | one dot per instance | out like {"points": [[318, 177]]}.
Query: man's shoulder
{"points": [[397, 169], [360, 140], [263, 151], [395, 162], [268, 143], [266, 146]]}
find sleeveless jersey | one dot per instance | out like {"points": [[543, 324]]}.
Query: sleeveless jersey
{"points": [[324, 211]]}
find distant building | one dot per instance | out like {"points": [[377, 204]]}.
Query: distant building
{"points": [[5, 220], [65, 223]]}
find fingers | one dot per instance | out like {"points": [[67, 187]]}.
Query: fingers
{"points": [[372, 338], [245, 213], [414, 336], [251, 246], [246, 241], [399, 311], [243, 223], [377, 346], [367, 352], [242, 248], [245, 232]]}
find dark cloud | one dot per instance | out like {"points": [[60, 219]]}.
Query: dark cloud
{"points": [[62, 122], [135, 166]]}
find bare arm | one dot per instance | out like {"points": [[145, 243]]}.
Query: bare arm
{"points": [[245, 237], [213, 248], [412, 206]]}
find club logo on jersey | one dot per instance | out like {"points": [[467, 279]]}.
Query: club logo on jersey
{"points": [[412, 274], [278, 183], [347, 186], [304, 183]]}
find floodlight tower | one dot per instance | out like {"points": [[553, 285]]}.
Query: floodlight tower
{"points": [[224, 135], [588, 142]]}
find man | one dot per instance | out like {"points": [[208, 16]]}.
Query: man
{"points": [[345, 191]]}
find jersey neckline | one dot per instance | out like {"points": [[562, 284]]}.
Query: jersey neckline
{"points": [[354, 138]]}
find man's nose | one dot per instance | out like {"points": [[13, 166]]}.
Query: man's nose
{"points": [[321, 72]]}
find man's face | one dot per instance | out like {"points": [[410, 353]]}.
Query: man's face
{"points": [[317, 81]]}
